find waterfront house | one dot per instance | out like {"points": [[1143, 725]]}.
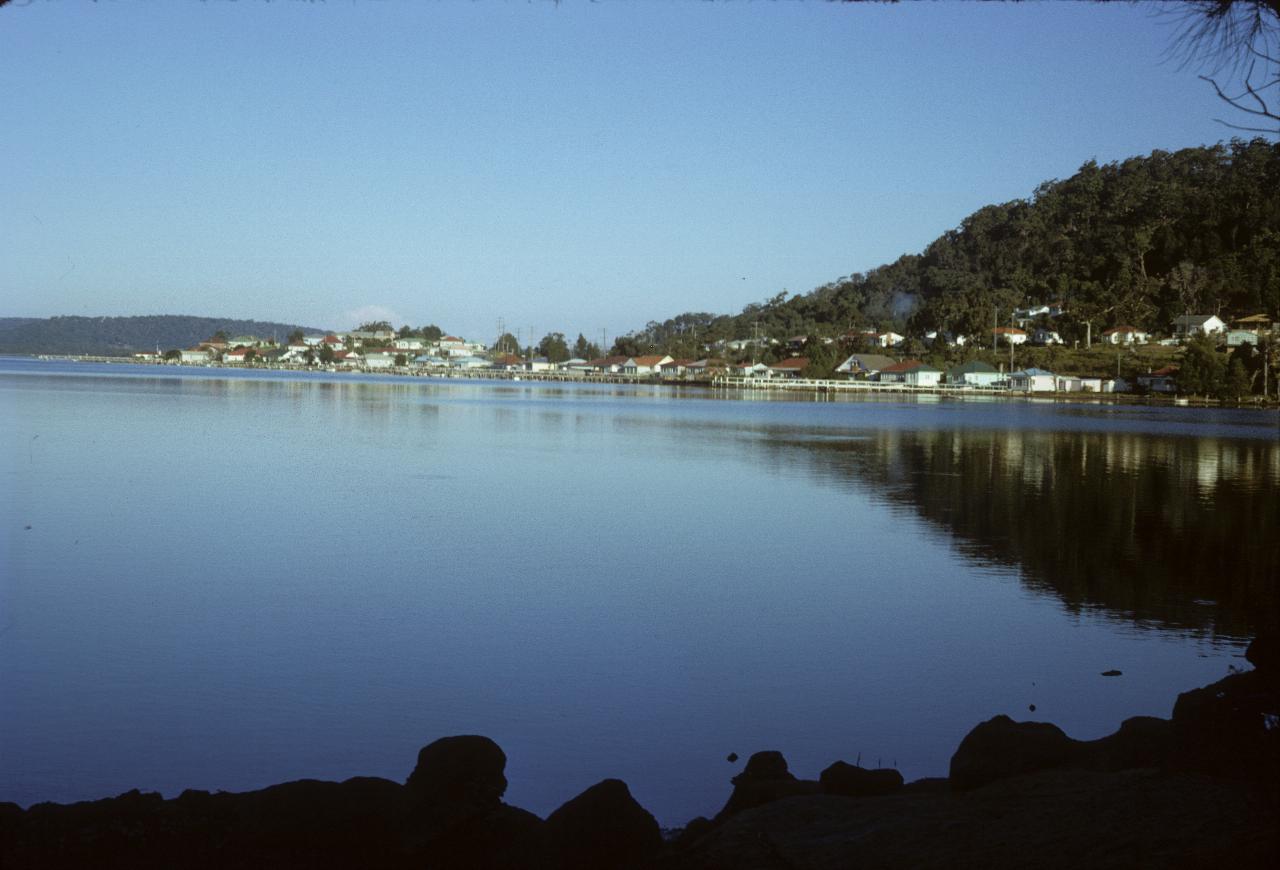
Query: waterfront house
{"points": [[974, 374], [1076, 384], [333, 342], [749, 370], [789, 368], [1162, 380], [196, 355], [451, 344], [380, 358], [508, 362], [1009, 335], [411, 342], [644, 365], [706, 368], [239, 356], [608, 365], [912, 372], [863, 365], [429, 361], [540, 364], [1125, 335], [1237, 337], [1190, 325], [1033, 380], [675, 368], [348, 358]]}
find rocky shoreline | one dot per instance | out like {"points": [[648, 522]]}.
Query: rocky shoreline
{"points": [[1199, 789]]}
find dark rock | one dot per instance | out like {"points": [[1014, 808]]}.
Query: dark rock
{"points": [[1142, 741], [464, 773], [1230, 728], [732, 757], [1112, 673], [603, 827], [765, 779], [852, 781], [1000, 748], [1264, 653], [692, 832]]}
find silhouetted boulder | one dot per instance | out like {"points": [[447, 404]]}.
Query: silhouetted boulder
{"points": [[765, 779], [1264, 654], [1231, 727], [852, 781], [1141, 741], [465, 773], [1000, 748], [603, 827]]}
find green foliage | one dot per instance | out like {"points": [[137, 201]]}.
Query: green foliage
{"points": [[1140, 242], [583, 349], [627, 345], [326, 354], [295, 337], [1202, 369], [173, 354], [375, 326], [822, 359], [431, 332], [554, 347], [506, 344], [401, 359], [122, 336]]}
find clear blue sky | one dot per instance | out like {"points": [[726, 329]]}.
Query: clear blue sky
{"points": [[571, 166]]}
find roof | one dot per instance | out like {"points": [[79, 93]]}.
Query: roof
{"points": [[870, 361], [451, 338], [1009, 330], [795, 362], [1116, 329], [651, 360], [1193, 319], [1032, 373], [1165, 372], [608, 361]]}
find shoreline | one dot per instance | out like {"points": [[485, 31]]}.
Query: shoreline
{"points": [[1201, 788], [743, 387]]}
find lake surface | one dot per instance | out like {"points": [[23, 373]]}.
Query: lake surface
{"points": [[224, 580]]}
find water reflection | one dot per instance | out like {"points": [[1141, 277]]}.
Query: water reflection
{"points": [[1177, 532]]}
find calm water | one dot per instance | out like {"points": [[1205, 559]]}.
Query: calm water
{"points": [[222, 581]]}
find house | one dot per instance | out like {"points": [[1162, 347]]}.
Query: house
{"points": [[540, 364], [947, 338], [1045, 337], [797, 342], [1254, 322], [889, 339], [1033, 380], [863, 365], [411, 342], [508, 362], [675, 368], [347, 358], [239, 356], [608, 365], [429, 361], [644, 365], [314, 340], [1197, 324], [147, 355], [379, 335], [705, 368], [468, 362], [1125, 335], [577, 364], [1237, 337], [912, 372], [381, 358], [789, 368], [333, 342], [1009, 335], [1074, 384], [244, 341], [451, 344], [196, 355], [974, 374], [749, 370], [1163, 380]]}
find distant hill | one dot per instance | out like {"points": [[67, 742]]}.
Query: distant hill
{"points": [[121, 336]]}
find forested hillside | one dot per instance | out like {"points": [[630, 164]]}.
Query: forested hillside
{"points": [[1138, 242], [121, 336]]}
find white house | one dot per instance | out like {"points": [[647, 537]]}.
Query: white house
{"points": [[974, 374], [1033, 380], [947, 338], [379, 359], [1237, 337], [196, 356], [912, 372], [1197, 324], [789, 368], [1010, 335], [1073, 384], [863, 365], [540, 364], [749, 370], [411, 342], [1045, 337], [889, 339], [1125, 335], [644, 365]]}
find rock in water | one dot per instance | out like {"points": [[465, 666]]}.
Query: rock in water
{"points": [[1001, 748], [852, 781], [603, 827]]}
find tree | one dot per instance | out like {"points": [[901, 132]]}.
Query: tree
{"points": [[327, 354], [626, 345], [250, 357], [405, 331], [1236, 384], [1240, 41], [553, 347], [584, 349], [295, 337], [401, 359], [1201, 370], [375, 326], [173, 353], [431, 332], [220, 335], [506, 344]]}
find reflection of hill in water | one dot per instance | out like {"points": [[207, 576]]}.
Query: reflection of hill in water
{"points": [[1183, 532]]}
